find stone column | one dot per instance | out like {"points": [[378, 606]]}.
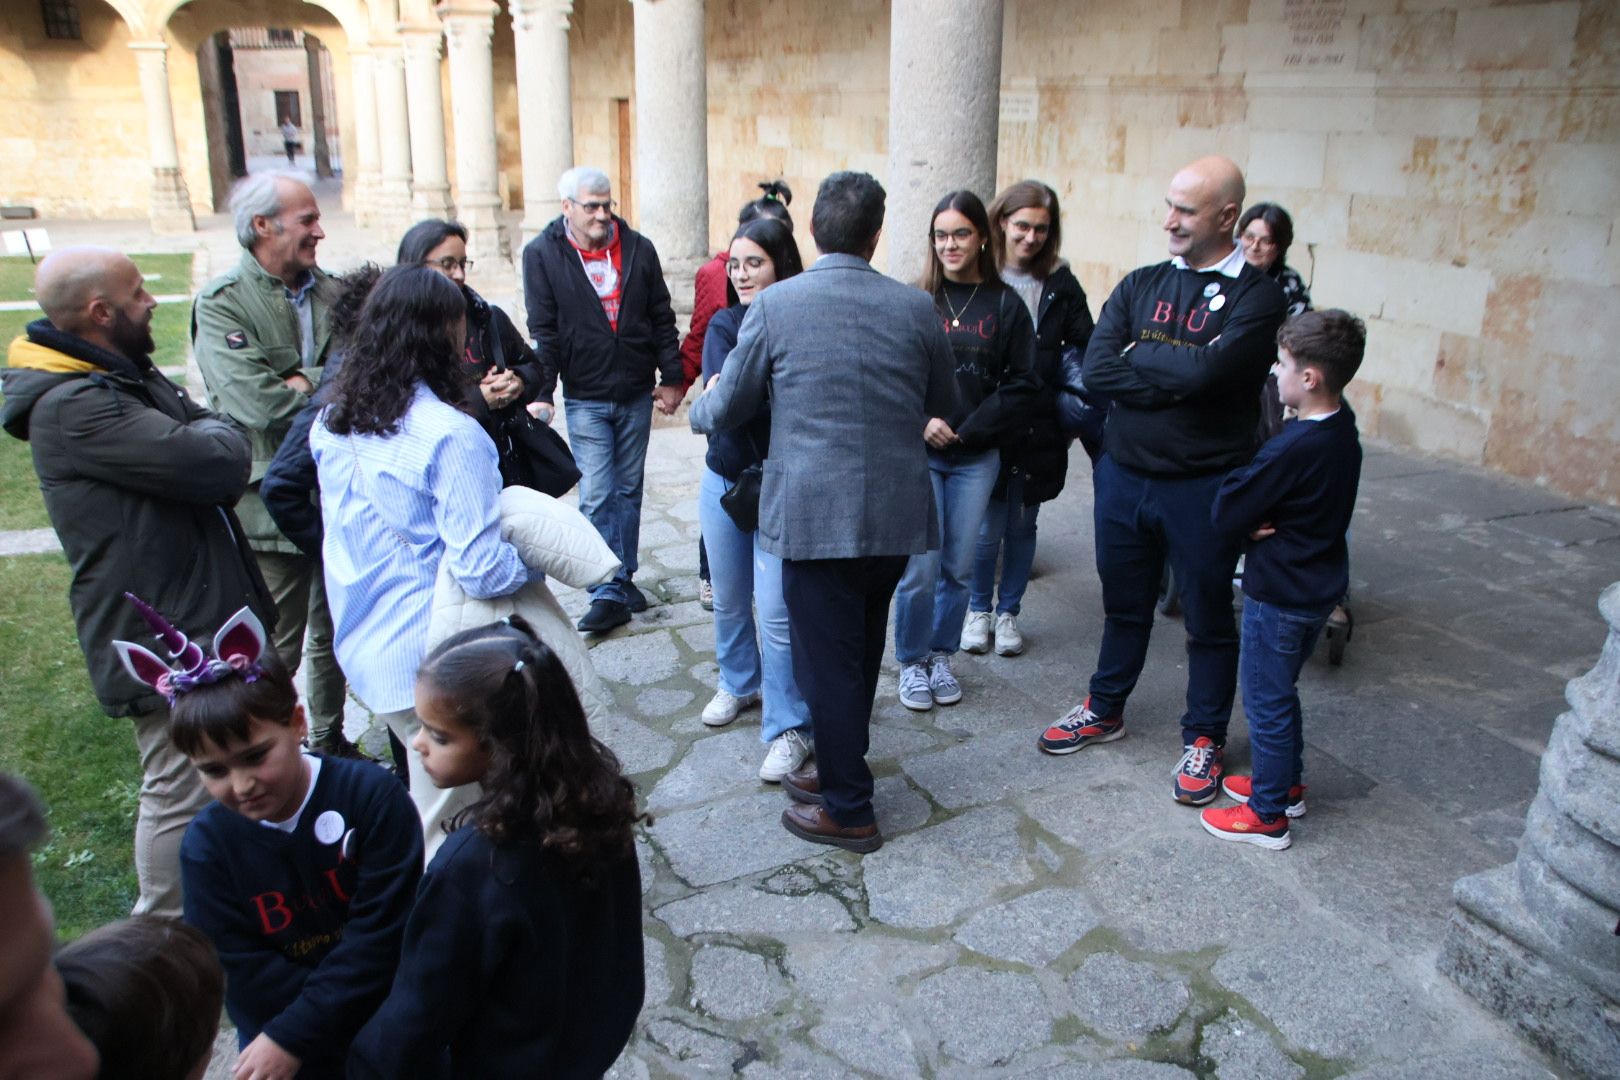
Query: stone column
{"points": [[170, 200], [672, 131], [545, 105], [393, 139], [469, 26], [322, 153], [1536, 940], [430, 176], [943, 137], [367, 173]]}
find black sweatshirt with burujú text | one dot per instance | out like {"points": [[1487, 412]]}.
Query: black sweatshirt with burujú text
{"points": [[1182, 354]]}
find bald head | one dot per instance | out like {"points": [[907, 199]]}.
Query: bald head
{"points": [[97, 294], [1205, 200], [68, 281]]}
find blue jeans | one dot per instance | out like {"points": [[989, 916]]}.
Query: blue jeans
{"points": [[1276, 643], [1009, 530], [746, 576], [932, 599], [609, 440], [1140, 521]]}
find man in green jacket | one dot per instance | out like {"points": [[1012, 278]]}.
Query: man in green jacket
{"points": [[139, 483], [260, 334]]}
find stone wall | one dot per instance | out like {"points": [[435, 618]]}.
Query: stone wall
{"points": [[1453, 172], [75, 129]]}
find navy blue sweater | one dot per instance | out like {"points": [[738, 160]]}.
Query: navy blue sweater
{"points": [[1186, 396], [308, 924], [733, 450], [511, 969], [1303, 482]]}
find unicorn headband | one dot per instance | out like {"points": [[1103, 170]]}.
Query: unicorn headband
{"points": [[237, 648]]}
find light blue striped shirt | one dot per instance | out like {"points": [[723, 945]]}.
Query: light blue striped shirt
{"points": [[393, 507]]}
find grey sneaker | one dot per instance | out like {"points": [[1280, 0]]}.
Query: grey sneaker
{"points": [[1009, 642], [941, 683], [788, 751], [976, 632], [914, 692]]}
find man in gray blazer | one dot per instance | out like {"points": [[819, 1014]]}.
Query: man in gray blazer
{"points": [[854, 364]]}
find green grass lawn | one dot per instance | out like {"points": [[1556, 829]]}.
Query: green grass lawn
{"points": [[164, 274], [20, 504], [54, 735]]}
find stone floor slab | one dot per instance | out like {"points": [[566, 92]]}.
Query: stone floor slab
{"points": [[843, 972], [734, 984], [1330, 997], [931, 878], [1241, 1050], [749, 911], [638, 747], [1034, 929], [713, 766], [983, 1018], [986, 769], [637, 659], [874, 1040], [725, 840], [1125, 999]]}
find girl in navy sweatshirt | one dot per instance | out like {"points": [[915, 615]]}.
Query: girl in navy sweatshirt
{"points": [[523, 954]]}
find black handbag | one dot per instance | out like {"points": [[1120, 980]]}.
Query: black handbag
{"points": [[532, 455], [741, 500], [1081, 412]]}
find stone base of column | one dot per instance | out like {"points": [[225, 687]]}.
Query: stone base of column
{"points": [[537, 214], [486, 240], [1494, 950], [431, 202], [171, 203], [392, 211], [365, 197]]}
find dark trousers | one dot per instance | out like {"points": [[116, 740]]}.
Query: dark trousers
{"points": [[838, 617], [1140, 521]]}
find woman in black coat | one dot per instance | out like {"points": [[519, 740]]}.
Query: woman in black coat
{"points": [[1025, 236]]}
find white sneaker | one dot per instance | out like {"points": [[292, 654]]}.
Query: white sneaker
{"points": [[1009, 642], [788, 751], [723, 708], [976, 632]]}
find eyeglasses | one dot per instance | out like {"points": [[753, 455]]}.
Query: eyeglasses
{"points": [[450, 263], [593, 208], [1024, 228], [961, 236], [753, 263]]}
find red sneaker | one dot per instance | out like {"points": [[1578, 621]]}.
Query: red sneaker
{"points": [[1198, 773], [1241, 824], [1080, 728], [1239, 788]]}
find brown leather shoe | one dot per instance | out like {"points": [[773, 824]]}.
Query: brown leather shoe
{"points": [[812, 823], [803, 785]]}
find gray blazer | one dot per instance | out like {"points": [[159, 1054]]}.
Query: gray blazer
{"points": [[854, 364]]}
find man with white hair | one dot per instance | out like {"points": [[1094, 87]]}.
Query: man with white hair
{"points": [[260, 334], [600, 317]]}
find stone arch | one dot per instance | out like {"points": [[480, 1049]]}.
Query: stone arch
{"points": [[338, 25]]}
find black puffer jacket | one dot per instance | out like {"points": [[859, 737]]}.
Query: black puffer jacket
{"points": [[139, 483], [1037, 448], [572, 335]]}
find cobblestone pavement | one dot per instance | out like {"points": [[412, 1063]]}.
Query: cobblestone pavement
{"points": [[1062, 916], [1032, 915]]}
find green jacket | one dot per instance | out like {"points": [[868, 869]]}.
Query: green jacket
{"points": [[247, 341]]}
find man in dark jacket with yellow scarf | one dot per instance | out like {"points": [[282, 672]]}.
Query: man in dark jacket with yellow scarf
{"points": [[139, 483]]}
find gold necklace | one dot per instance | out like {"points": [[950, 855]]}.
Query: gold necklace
{"points": [[956, 316]]}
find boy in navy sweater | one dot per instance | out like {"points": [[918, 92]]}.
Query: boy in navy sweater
{"points": [[1294, 503], [301, 872]]}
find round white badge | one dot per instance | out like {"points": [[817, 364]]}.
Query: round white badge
{"points": [[1217, 303], [329, 827], [1212, 288]]}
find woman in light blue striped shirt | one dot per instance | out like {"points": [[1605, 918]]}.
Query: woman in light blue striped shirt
{"points": [[407, 480]]}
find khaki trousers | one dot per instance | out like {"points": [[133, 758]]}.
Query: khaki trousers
{"points": [[299, 590], [171, 795]]}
